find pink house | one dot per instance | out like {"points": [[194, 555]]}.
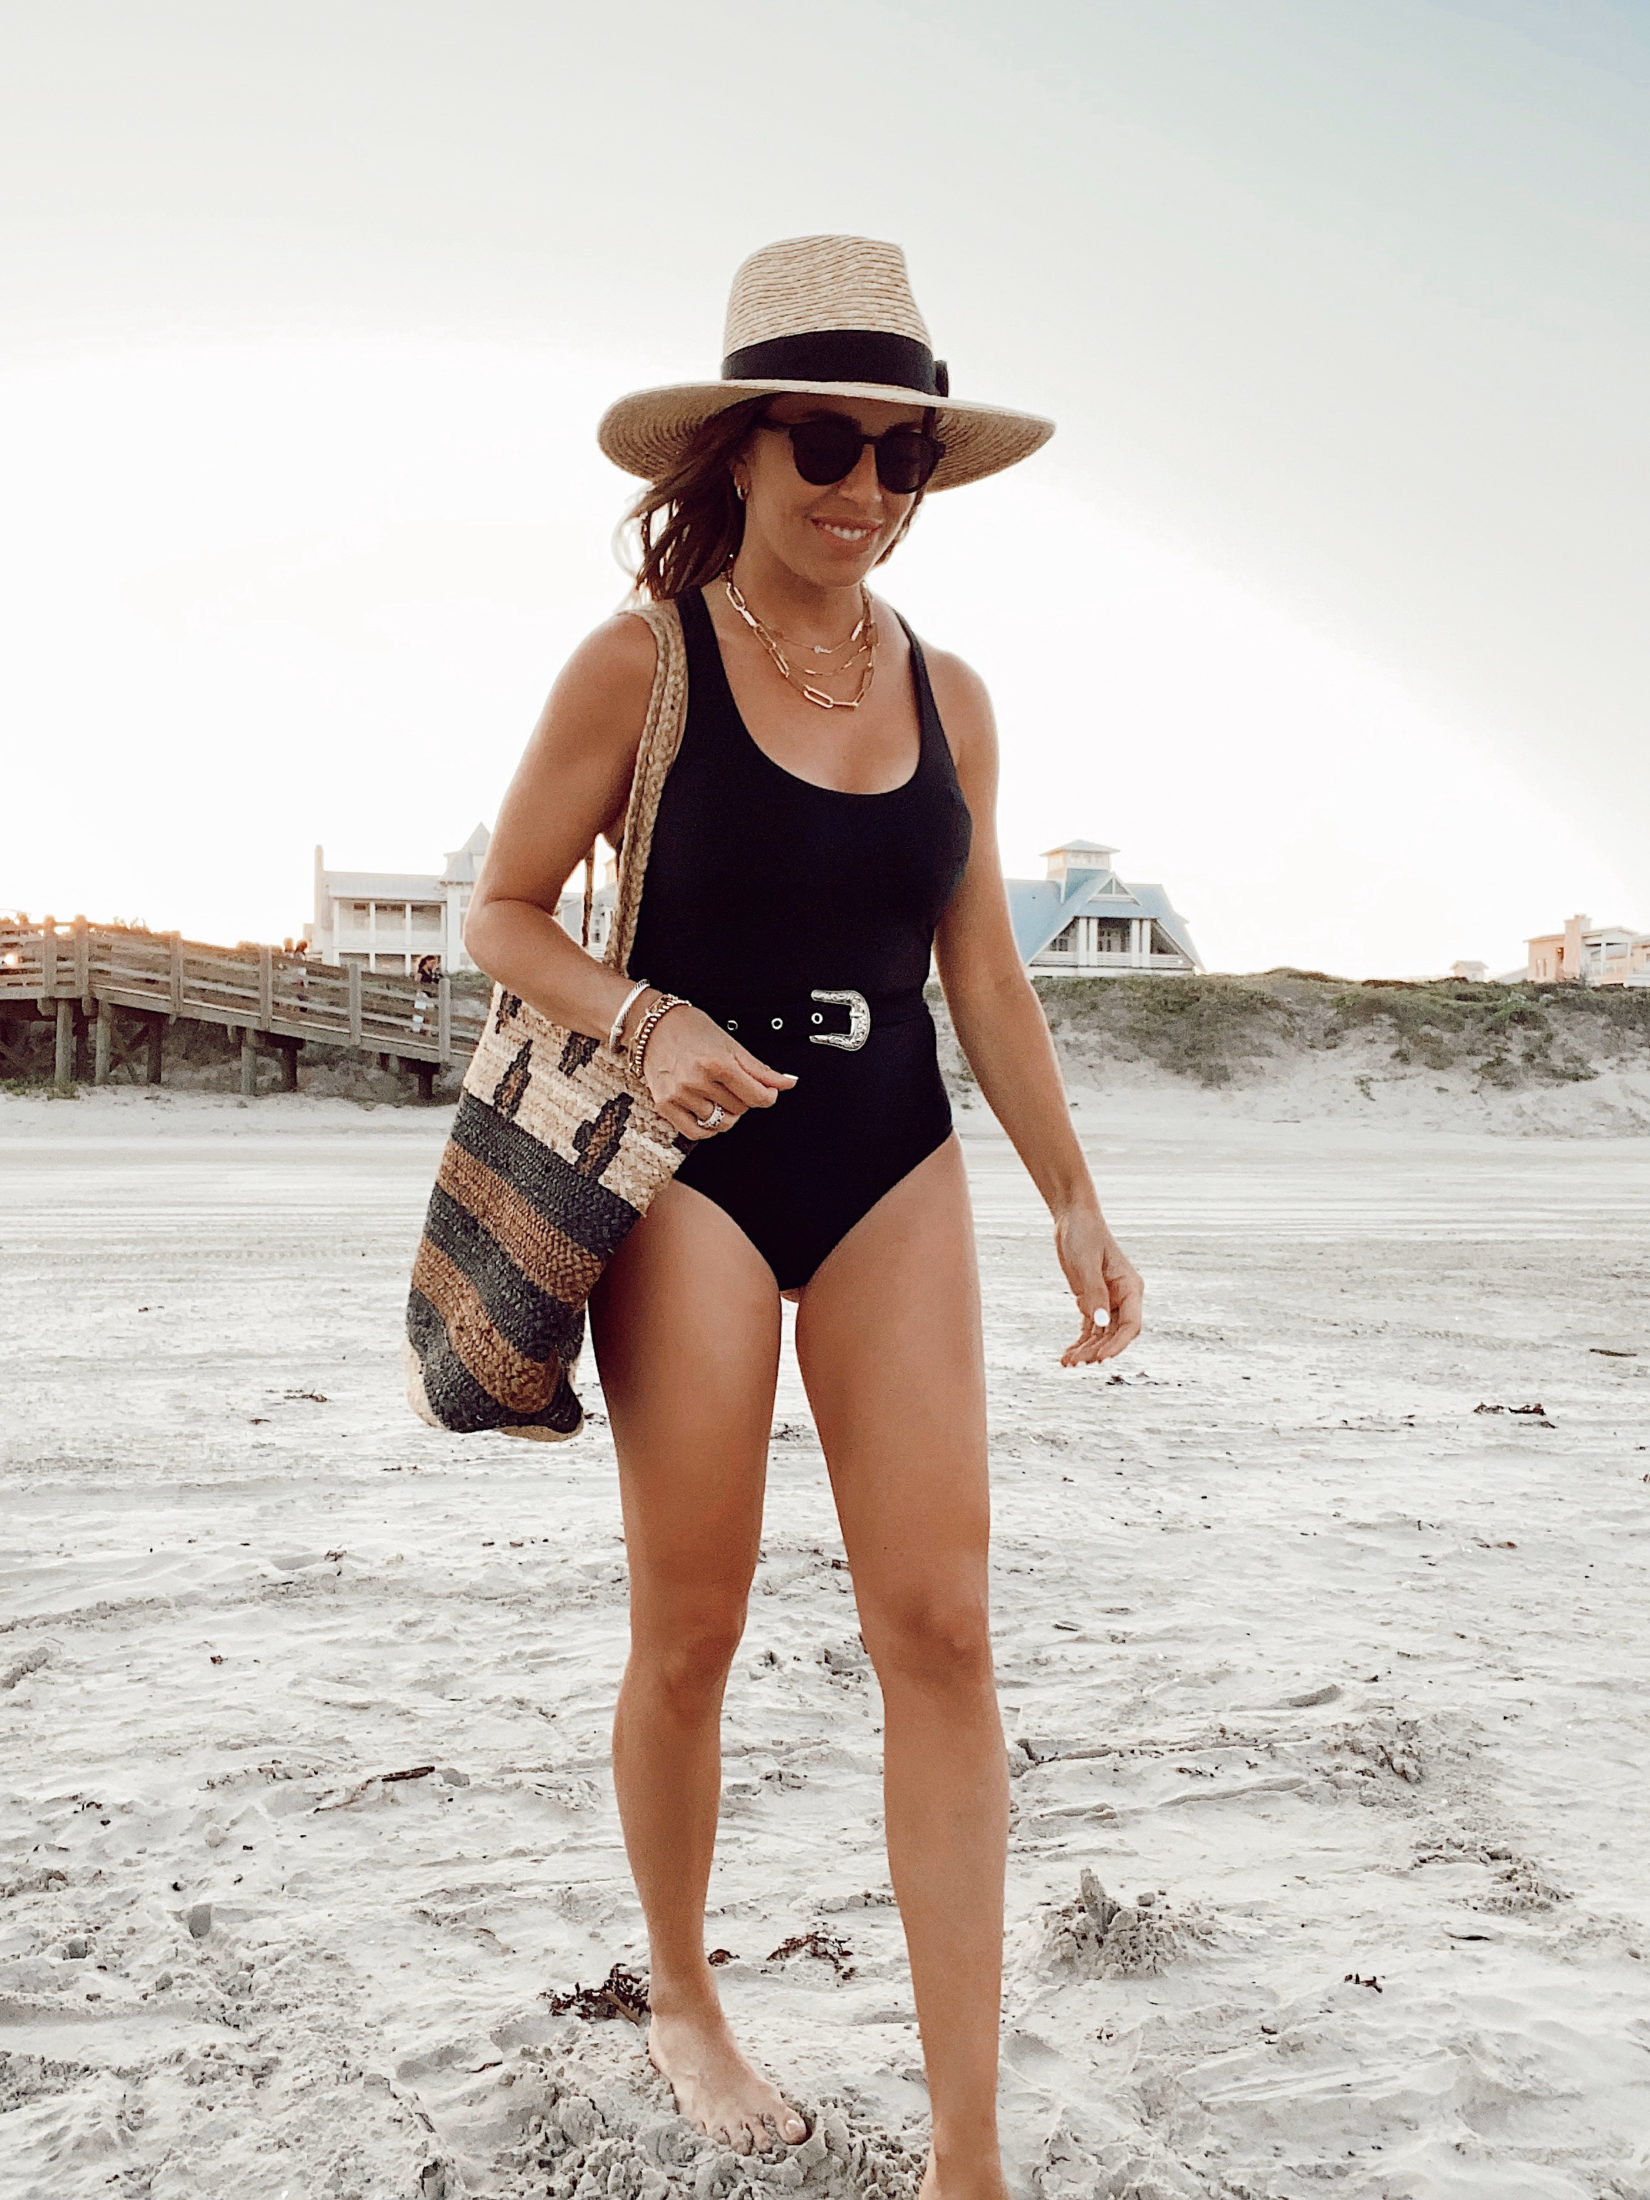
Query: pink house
{"points": [[1590, 954]]}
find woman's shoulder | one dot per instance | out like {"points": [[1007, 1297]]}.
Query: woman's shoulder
{"points": [[619, 653], [608, 680], [943, 664], [960, 695]]}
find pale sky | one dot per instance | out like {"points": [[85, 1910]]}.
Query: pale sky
{"points": [[1326, 605]]}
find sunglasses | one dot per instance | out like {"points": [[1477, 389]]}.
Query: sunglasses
{"points": [[827, 450]]}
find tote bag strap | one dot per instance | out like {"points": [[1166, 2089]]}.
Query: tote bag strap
{"points": [[661, 737]]}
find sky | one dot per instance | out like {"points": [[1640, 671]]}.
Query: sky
{"points": [[1325, 606]]}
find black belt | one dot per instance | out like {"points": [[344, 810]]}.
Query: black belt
{"points": [[829, 1016]]}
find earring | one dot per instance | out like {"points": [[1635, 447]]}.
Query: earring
{"points": [[740, 491]]}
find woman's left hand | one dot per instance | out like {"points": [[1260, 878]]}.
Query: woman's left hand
{"points": [[1105, 1283]]}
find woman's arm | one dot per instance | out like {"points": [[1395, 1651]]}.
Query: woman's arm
{"points": [[1002, 1030], [572, 784]]}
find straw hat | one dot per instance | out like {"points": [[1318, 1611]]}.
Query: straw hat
{"points": [[823, 317]]}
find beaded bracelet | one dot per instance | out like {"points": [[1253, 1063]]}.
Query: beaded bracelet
{"points": [[644, 1030]]}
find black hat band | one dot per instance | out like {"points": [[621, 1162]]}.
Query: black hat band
{"points": [[842, 355]]}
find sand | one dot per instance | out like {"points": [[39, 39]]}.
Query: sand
{"points": [[1374, 1750]]}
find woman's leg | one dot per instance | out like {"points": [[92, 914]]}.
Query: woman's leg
{"points": [[685, 1322], [888, 1336]]}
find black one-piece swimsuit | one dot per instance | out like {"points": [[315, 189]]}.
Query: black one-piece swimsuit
{"points": [[763, 890]]}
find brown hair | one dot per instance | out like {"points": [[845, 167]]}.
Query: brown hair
{"points": [[688, 524]]}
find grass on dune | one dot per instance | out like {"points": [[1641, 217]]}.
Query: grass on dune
{"points": [[1214, 1029]]}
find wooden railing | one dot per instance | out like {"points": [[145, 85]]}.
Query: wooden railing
{"points": [[261, 992]]}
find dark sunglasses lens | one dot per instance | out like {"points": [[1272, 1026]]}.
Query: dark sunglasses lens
{"points": [[905, 459], [825, 450]]}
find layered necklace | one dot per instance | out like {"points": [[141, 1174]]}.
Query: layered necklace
{"points": [[859, 651]]}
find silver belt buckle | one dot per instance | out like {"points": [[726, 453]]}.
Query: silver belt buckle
{"points": [[859, 1021]]}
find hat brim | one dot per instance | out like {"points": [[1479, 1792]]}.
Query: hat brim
{"points": [[644, 432]]}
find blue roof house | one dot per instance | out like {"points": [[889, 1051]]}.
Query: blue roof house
{"points": [[1083, 921]]}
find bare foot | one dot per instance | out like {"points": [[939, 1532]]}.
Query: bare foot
{"points": [[716, 2089]]}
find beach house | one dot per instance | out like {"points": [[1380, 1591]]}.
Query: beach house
{"points": [[1081, 920], [1590, 954], [393, 920]]}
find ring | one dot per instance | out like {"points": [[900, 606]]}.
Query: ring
{"points": [[717, 1117]]}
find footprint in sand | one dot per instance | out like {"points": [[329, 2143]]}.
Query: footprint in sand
{"points": [[1383, 1743]]}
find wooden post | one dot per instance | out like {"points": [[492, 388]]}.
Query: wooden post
{"points": [[354, 1004], [177, 973], [156, 1040], [48, 956], [425, 1073], [249, 1062], [266, 987], [63, 1066], [101, 1045], [289, 1064], [444, 1018]]}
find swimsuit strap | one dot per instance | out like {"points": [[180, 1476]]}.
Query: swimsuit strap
{"points": [[936, 748]]}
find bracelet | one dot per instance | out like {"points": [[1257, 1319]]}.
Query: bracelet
{"points": [[615, 1036], [644, 1030]]}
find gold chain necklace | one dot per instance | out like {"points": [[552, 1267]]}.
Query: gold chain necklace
{"points": [[864, 635]]}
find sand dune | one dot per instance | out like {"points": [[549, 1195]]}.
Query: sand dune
{"points": [[1332, 1683]]}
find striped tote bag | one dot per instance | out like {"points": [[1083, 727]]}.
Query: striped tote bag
{"points": [[554, 1155]]}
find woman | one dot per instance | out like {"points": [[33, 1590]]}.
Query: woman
{"points": [[829, 818]]}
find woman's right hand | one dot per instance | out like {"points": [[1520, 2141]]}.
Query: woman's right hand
{"points": [[692, 1065]]}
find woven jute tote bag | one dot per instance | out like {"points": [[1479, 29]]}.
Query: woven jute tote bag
{"points": [[554, 1155]]}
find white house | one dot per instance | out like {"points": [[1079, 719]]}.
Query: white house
{"points": [[391, 920], [1082, 920]]}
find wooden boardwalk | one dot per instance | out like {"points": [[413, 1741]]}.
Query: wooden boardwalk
{"points": [[86, 976]]}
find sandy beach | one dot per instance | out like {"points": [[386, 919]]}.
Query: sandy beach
{"points": [[1362, 1772]]}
